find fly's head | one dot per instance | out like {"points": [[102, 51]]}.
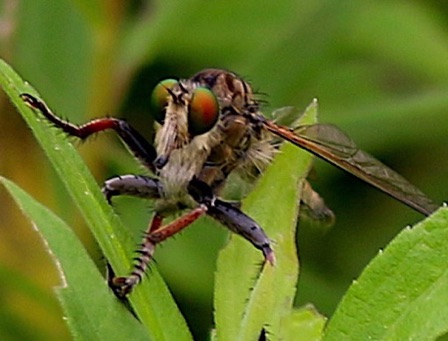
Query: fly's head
{"points": [[209, 125], [184, 110], [189, 108]]}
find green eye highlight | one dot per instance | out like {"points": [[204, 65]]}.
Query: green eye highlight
{"points": [[203, 111], [159, 98]]}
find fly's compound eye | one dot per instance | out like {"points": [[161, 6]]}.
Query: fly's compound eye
{"points": [[159, 98], [203, 111]]}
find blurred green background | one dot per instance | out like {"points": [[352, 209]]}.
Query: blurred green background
{"points": [[378, 68]]}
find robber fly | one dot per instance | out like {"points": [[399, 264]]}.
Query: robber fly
{"points": [[209, 126]]}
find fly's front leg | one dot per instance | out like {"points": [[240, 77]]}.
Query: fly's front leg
{"points": [[155, 234], [240, 223], [232, 217], [142, 149]]}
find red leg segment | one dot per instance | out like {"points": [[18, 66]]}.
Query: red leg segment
{"points": [[156, 234], [141, 148]]}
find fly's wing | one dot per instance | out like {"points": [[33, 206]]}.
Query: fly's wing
{"points": [[331, 144]]}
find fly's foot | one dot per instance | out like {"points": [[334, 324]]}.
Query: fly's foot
{"points": [[268, 253], [122, 286]]}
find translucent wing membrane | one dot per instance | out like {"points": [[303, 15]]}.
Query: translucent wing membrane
{"points": [[334, 146]]}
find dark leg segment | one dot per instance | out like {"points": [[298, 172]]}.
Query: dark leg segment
{"points": [[133, 185], [141, 148], [232, 217], [122, 286], [240, 223]]}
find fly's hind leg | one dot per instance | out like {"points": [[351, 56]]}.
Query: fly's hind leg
{"points": [[155, 234]]}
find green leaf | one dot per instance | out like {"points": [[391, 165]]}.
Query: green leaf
{"points": [[306, 322], [151, 301], [91, 311], [249, 298], [403, 292]]}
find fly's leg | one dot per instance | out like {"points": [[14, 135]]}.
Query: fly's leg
{"points": [[238, 222], [156, 234], [133, 185], [313, 207], [140, 147], [123, 285], [228, 214], [138, 186]]}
